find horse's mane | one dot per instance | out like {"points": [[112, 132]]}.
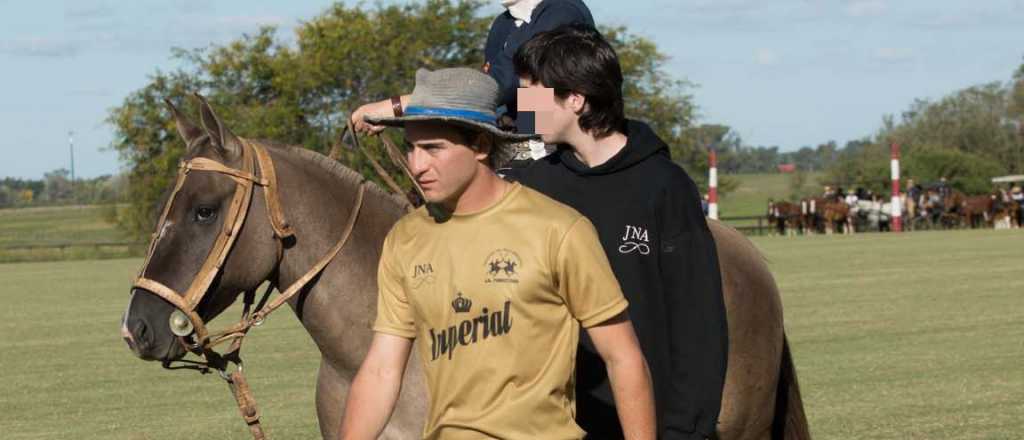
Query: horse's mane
{"points": [[338, 170]]}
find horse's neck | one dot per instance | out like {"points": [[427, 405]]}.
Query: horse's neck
{"points": [[319, 199], [319, 202], [340, 306]]}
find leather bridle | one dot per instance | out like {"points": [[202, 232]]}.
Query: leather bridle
{"points": [[257, 169]]}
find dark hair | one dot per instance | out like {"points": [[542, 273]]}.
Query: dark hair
{"points": [[575, 58], [470, 135]]}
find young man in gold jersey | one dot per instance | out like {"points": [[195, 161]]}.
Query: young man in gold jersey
{"points": [[496, 290]]}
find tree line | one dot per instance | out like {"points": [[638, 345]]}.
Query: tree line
{"points": [[967, 136], [57, 188], [299, 92]]}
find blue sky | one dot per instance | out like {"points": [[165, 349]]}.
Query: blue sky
{"points": [[784, 72]]}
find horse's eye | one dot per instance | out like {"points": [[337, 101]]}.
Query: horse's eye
{"points": [[205, 214]]}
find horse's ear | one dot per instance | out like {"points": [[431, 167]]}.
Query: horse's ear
{"points": [[186, 129], [225, 141]]}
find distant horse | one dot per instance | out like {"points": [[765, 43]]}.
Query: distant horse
{"points": [[953, 202], [812, 209], [978, 211], [836, 214], [761, 399], [786, 217]]}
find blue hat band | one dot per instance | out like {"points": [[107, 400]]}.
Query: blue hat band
{"points": [[450, 113]]}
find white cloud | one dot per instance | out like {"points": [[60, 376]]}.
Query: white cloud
{"points": [[247, 22], [86, 10], [40, 47], [893, 54], [766, 57], [731, 6], [866, 8], [91, 91]]}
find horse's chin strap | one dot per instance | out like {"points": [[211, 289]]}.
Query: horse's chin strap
{"points": [[200, 342]]}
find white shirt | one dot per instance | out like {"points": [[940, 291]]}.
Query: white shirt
{"points": [[521, 10]]}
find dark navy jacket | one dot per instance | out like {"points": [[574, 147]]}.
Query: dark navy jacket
{"points": [[505, 38], [648, 217]]}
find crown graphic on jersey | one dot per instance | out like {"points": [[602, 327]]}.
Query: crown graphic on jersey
{"points": [[461, 305]]}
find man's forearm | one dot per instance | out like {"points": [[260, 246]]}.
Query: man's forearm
{"points": [[631, 383], [371, 400]]}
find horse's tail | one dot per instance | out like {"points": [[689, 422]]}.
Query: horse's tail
{"points": [[790, 422]]}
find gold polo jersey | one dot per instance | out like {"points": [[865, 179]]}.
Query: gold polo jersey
{"points": [[495, 300]]}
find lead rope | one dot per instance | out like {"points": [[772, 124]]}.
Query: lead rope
{"points": [[236, 380], [395, 155]]}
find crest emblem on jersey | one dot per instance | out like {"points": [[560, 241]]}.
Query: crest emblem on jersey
{"points": [[462, 304], [503, 266]]}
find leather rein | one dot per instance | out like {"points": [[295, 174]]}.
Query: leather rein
{"points": [[257, 169]]}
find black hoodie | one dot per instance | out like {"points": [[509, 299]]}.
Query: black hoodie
{"points": [[648, 215]]}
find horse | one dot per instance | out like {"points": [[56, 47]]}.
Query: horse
{"points": [[761, 397], [786, 216], [811, 209], [953, 201], [835, 213], [977, 211]]}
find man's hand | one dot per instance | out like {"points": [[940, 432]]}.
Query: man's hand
{"points": [[380, 109]]}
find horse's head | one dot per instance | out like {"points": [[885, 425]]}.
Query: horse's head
{"points": [[194, 221]]}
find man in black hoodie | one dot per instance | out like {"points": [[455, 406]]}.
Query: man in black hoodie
{"points": [[647, 211]]}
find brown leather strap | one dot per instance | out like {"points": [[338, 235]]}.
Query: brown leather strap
{"points": [[388, 180], [232, 223], [266, 166], [399, 159], [297, 286], [182, 172], [178, 301], [204, 164], [254, 158], [396, 106], [246, 403]]}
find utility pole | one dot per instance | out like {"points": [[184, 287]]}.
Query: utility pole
{"points": [[896, 203], [71, 148], [712, 183]]}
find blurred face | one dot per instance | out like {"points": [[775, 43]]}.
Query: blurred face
{"points": [[555, 118], [442, 161]]}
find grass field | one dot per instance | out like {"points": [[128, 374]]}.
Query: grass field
{"points": [[78, 229], [914, 336], [754, 190]]}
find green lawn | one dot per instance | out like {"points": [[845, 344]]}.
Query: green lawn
{"points": [[906, 336], [81, 228], [751, 197], [913, 336]]}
